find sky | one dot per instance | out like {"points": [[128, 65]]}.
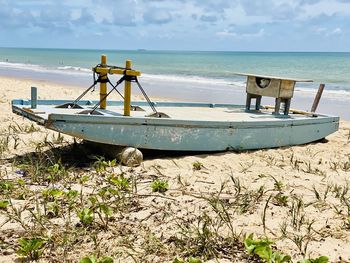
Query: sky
{"points": [[222, 25]]}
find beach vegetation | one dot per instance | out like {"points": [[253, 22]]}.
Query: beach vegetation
{"points": [[202, 237], [270, 160], [245, 167], [245, 199], [57, 138], [345, 166], [4, 145], [31, 248], [321, 259], [160, 186], [347, 223], [93, 259], [86, 216], [101, 164], [16, 141], [16, 128], [280, 200], [6, 186], [278, 185], [263, 249], [311, 170], [197, 165], [190, 260], [298, 228], [56, 171], [120, 182], [4, 204]]}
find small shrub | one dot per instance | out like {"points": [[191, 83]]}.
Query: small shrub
{"points": [[197, 165], [262, 248], [56, 171], [321, 259], [101, 164], [6, 186], [4, 204], [160, 186], [280, 200], [93, 259], [86, 216], [32, 248], [121, 183], [190, 260]]}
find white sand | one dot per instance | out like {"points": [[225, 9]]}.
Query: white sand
{"points": [[300, 169]]}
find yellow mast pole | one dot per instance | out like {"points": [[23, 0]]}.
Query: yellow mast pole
{"points": [[127, 91], [103, 84]]}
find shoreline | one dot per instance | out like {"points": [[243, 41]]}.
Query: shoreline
{"points": [[72, 74]]}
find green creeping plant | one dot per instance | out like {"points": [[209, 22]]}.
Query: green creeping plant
{"points": [[197, 165], [160, 186], [31, 248], [4, 204], [86, 216], [93, 259], [190, 260], [121, 182], [262, 248], [321, 259]]}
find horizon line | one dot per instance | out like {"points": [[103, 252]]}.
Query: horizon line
{"points": [[178, 50]]}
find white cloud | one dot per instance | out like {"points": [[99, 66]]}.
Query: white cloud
{"points": [[226, 33], [325, 7], [193, 22], [208, 18], [337, 31], [320, 30], [157, 16], [230, 33], [327, 32]]}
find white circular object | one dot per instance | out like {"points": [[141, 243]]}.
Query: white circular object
{"points": [[131, 157]]}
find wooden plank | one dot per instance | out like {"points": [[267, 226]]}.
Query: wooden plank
{"points": [[317, 98], [295, 111], [128, 72], [271, 77]]}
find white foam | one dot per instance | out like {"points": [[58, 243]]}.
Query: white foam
{"points": [[73, 70], [41, 69], [70, 68], [20, 66], [192, 80], [329, 93]]}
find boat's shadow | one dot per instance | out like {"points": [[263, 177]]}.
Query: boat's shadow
{"points": [[82, 155], [160, 154]]}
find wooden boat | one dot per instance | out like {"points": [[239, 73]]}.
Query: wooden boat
{"points": [[181, 126]]}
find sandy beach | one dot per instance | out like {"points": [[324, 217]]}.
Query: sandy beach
{"points": [[172, 206]]}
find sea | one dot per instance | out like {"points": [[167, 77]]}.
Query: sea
{"points": [[197, 71]]}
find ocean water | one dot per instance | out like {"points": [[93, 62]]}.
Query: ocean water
{"points": [[198, 68]]}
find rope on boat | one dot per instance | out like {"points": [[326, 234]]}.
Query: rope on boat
{"points": [[151, 104], [114, 88], [102, 79], [87, 90]]}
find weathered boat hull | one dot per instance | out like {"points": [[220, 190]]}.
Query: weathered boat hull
{"points": [[251, 130]]}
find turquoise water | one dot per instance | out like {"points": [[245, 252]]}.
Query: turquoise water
{"points": [[330, 68]]}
